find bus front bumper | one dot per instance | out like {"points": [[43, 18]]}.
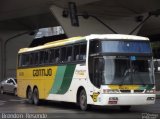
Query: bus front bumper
{"points": [[125, 99]]}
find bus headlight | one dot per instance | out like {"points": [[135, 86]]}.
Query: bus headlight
{"points": [[111, 91], [150, 91]]}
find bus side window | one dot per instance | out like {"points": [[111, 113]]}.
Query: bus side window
{"points": [[51, 56], [41, 61], [36, 58], [69, 54], [19, 60], [46, 57], [57, 55], [25, 60], [31, 57], [63, 54], [82, 55], [76, 52]]}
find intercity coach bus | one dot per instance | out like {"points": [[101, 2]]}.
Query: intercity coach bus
{"points": [[109, 69]]}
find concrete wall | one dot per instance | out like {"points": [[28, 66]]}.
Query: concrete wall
{"points": [[92, 26], [10, 46], [1, 70]]}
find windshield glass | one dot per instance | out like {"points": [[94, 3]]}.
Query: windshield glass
{"points": [[122, 70], [15, 80]]}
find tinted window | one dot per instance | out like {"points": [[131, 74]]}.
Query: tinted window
{"points": [[76, 52], [63, 54], [42, 53], [57, 55], [52, 56], [79, 52], [69, 54], [25, 59], [82, 52], [46, 57]]}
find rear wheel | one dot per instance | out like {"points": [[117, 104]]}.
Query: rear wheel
{"points": [[125, 108], [83, 100], [36, 96], [29, 96]]}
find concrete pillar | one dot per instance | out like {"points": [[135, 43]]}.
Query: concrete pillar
{"points": [[92, 26], [1, 58], [12, 48], [9, 49]]}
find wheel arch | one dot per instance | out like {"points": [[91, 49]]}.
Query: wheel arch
{"points": [[28, 87], [35, 86]]}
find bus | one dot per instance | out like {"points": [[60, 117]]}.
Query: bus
{"points": [[156, 54], [99, 69]]}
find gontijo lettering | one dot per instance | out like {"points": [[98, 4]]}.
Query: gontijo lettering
{"points": [[42, 72]]}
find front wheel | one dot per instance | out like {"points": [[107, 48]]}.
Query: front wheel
{"points": [[83, 100]]}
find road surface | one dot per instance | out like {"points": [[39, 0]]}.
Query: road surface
{"points": [[10, 104]]}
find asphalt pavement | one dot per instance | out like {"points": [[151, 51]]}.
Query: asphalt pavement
{"points": [[14, 106]]}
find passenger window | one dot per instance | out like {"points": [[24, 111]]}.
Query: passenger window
{"points": [[63, 54], [36, 58], [69, 54], [41, 57], [57, 55], [25, 60], [82, 52], [19, 60], [31, 59], [46, 57], [76, 52], [51, 56]]}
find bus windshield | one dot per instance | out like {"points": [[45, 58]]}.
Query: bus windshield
{"points": [[123, 70], [120, 62], [115, 46]]}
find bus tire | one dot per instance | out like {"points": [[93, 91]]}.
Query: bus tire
{"points": [[35, 96], [29, 96], [125, 108], [83, 100]]}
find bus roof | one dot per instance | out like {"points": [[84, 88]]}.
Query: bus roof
{"points": [[115, 36], [79, 39], [53, 44]]}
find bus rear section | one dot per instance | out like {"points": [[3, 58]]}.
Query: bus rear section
{"points": [[121, 71]]}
